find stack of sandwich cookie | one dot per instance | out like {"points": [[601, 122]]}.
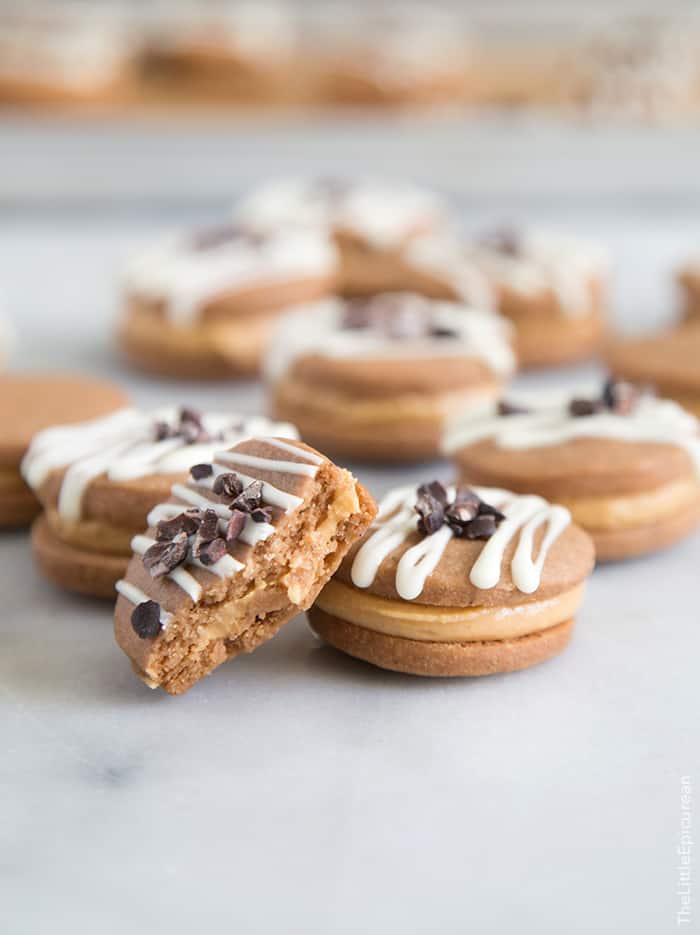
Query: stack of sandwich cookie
{"points": [[235, 553], [376, 379], [625, 463], [372, 222], [458, 581], [97, 482], [30, 403], [551, 287], [203, 305]]}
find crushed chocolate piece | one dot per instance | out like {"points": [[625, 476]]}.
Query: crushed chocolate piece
{"points": [[431, 514], [440, 331], [228, 486], [485, 509], [235, 526], [467, 515], [505, 240], [200, 471], [208, 526], [213, 237], [163, 557], [509, 409], [261, 515], [145, 620], [162, 430], [585, 407], [250, 499], [620, 397], [190, 416], [210, 552], [186, 522], [434, 489], [481, 527]]}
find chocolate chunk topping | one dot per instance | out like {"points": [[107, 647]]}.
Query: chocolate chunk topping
{"points": [[508, 409], [398, 317], [261, 515], [189, 428], [209, 553], [163, 557], [467, 515], [208, 526], [585, 407], [235, 526], [186, 522], [250, 499], [228, 486], [617, 396], [505, 240], [200, 471], [145, 619]]}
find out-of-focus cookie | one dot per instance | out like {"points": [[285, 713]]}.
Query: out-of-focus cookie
{"points": [[97, 481], [203, 305], [458, 581], [232, 556], [371, 221], [376, 379], [552, 288], [689, 283], [669, 362], [32, 402], [625, 463]]}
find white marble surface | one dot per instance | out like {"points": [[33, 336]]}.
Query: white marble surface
{"points": [[297, 791]]}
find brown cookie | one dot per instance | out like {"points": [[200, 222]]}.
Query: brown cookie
{"points": [[457, 582], [98, 481], [689, 284], [30, 403], [626, 464], [232, 556], [376, 379]]}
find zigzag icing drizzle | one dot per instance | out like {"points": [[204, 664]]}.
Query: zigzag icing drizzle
{"points": [[396, 521], [122, 447], [189, 495]]}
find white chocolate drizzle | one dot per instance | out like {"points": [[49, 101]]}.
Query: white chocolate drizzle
{"points": [[121, 446], [319, 329], [652, 420], [396, 521]]}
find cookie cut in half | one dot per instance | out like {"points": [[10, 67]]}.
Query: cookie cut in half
{"points": [[625, 463], [377, 379], [235, 553], [202, 306], [551, 287], [29, 402], [458, 581], [97, 482]]}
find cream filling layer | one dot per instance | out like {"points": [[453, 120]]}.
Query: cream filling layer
{"points": [[626, 512], [427, 623], [412, 407]]}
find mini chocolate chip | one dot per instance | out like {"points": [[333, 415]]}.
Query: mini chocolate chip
{"points": [[585, 407], [434, 489], [235, 526], [162, 557], [186, 522], [145, 619], [430, 512], [210, 552], [200, 471], [228, 486], [261, 515], [481, 527], [508, 409]]}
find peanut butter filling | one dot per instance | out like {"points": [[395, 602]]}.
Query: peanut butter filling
{"points": [[625, 512], [413, 621]]}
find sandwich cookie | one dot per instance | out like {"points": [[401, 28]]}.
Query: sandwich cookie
{"points": [[371, 222], [376, 379], [235, 553], [458, 581], [689, 283], [203, 306], [626, 464], [669, 362], [29, 403], [551, 287], [97, 482]]}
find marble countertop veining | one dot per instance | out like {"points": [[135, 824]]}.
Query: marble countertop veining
{"points": [[295, 790]]}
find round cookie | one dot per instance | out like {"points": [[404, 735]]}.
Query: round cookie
{"points": [[458, 581], [97, 482], [552, 288], [203, 306], [669, 362], [376, 379], [371, 222], [627, 465], [233, 555], [29, 403]]}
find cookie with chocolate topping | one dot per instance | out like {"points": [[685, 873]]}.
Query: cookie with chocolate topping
{"points": [[376, 379], [233, 555], [98, 480], [458, 581], [29, 403], [202, 305], [626, 463]]}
